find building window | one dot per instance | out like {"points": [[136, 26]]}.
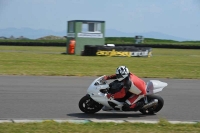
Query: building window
{"points": [[71, 27], [98, 27], [91, 27], [84, 27]]}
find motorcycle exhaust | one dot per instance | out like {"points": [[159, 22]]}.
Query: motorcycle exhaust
{"points": [[153, 103]]}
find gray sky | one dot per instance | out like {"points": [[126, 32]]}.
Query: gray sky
{"points": [[180, 18]]}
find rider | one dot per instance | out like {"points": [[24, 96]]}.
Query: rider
{"points": [[131, 83]]}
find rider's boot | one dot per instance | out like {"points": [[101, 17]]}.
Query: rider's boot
{"points": [[138, 106], [135, 107], [126, 107]]}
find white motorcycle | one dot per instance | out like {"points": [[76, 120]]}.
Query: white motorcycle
{"points": [[96, 98]]}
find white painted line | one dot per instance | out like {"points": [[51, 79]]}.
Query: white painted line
{"points": [[27, 121], [5, 121], [142, 121], [61, 121], [78, 121], [182, 122], [115, 121]]}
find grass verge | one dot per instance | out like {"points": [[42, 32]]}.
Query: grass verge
{"points": [[165, 63], [55, 127]]}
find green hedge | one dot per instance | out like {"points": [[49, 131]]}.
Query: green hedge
{"points": [[148, 42], [60, 44]]}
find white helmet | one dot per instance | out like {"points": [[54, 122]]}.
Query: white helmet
{"points": [[122, 72]]}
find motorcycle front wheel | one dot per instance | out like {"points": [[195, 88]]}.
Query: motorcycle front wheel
{"points": [[88, 105], [154, 109]]}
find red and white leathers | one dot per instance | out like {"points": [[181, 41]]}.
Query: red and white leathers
{"points": [[134, 85]]}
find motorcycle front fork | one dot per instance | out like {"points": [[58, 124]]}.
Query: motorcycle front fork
{"points": [[145, 100]]}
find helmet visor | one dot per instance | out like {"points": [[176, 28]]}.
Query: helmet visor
{"points": [[119, 76]]}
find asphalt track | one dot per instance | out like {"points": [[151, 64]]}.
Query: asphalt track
{"points": [[54, 97]]}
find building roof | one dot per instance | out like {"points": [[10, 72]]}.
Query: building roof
{"points": [[100, 21]]}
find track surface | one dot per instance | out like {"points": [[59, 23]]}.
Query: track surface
{"points": [[52, 97]]}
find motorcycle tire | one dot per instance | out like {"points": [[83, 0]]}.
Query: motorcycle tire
{"points": [[155, 109], [88, 105]]}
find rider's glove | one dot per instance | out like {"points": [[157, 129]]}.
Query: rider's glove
{"points": [[105, 77], [109, 96]]}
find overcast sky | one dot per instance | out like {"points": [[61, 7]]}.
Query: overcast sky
{"points": [[180, 18]]}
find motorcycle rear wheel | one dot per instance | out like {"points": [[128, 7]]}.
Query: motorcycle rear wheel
{"points": [[154, 109], [88, 105]]}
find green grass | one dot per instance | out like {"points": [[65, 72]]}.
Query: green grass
{"points": [[165, 63], [54, 127]]}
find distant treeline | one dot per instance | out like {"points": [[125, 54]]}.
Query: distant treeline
{"points": [[148, 42]]}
